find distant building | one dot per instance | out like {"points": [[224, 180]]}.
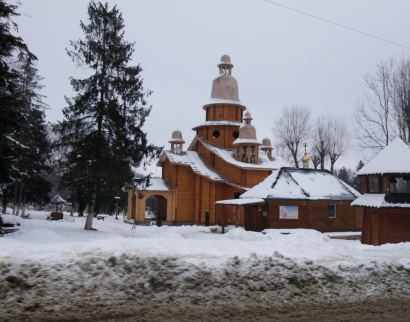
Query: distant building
{"points": [[386, 198], [300, 198], [224, 160]]}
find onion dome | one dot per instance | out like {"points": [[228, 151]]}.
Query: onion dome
{"points": [[247, 116], [176, 137], [177, 142], [247, 132], [305, 158], [267, 147], [225, 87], [266, 143]]}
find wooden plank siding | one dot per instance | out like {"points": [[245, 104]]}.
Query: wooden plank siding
{"points": [[311, 214], [385, 225]]}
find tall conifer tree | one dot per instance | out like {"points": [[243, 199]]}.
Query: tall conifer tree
{"points": [[13, 112], [102, 123]]}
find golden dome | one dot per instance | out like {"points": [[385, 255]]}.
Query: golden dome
{"points": [[305, 158]]}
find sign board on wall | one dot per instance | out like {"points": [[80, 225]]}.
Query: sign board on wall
{"points": [[288, 212]]}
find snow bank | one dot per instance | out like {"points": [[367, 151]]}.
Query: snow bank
{"points": [[51, 271]]}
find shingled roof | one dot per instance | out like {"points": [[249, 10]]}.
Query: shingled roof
{"points": [[302, 184]]}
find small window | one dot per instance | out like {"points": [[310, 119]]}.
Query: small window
{"points": [[332, 211], [235, 134], [216, 134], [236, 195]]}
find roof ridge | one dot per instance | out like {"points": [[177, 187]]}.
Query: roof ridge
{"points": [[226, 180], [303, 191]]}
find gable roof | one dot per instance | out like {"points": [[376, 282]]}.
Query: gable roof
{"points": [[157, 184], [193, 159], [57, 200], [264, 163], [305, 184], [393, 159]]}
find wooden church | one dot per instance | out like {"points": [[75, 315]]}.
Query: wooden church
{"points": [[224, 160]]}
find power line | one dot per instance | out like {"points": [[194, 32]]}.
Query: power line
{"points": [[336, 24]]}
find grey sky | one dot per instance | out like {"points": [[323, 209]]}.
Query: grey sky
{"points": [[281, 57]]}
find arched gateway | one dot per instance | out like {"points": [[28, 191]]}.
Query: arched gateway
{"points": [[158, 193]]}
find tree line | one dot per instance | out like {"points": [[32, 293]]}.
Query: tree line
{"points": [[94, 150]]}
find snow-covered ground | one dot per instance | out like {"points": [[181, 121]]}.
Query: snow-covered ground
{"points": [[52, 266]]}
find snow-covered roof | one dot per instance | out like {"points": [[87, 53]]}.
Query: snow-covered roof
{"points": [[157, 184], [193, 160], [223, 101], [221, 122], [394, 159], [229, 156], [377, 200], [307, 184], [250, 141], [57, 199], [240, 202]]}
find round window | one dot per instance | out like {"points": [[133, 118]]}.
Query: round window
{"points": [[216, 134], [235, 134]]}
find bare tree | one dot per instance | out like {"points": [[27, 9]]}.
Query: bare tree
{"points": [[339, 140], [401, 85], [282, 151], [315, 161], [321, 138], [330, 138], [373, 119], [292, 128]]}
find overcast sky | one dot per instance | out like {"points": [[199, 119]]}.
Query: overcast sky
{"points": [[281, 57]]}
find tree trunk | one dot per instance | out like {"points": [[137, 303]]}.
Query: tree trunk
{"points": [[322, 156], [90, 215], [15, 196], [20, 193], [72, 209], [5, 202], [72, 201], [23, 209]]}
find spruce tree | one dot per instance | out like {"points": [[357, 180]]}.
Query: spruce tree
{"points": [[13, 51], [344, 175], [102, 123], [33, 160], [358, 181]]}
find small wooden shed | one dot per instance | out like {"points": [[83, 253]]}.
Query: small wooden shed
{"points": [[302, 198], [386, 198]]}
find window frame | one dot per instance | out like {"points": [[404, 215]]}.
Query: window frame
{"points": [[335, 211]]}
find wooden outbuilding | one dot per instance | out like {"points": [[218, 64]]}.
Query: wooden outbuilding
{"points": [[301, 198], [386, 198]]}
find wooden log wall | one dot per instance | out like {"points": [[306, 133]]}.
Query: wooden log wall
{"points": [[312, 215], [385, 225]]}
